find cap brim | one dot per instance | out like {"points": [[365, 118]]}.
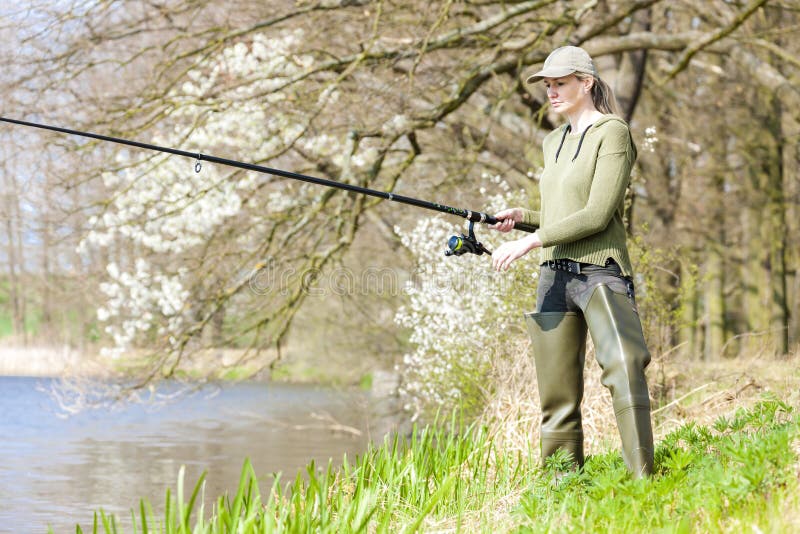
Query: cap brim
{"points": [[550, 72]]}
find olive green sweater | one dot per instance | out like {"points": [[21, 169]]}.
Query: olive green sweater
{"points": [[582, 191]]}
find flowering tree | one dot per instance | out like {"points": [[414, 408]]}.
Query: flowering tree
{"points": [[202, 235]]}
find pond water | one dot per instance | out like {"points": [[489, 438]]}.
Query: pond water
{"points": [[57, 470]]}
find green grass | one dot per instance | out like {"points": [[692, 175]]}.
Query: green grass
{"points": [[735, 475], [738, 475]]}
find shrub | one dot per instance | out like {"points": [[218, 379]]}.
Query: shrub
{"points": [[461, 314]]}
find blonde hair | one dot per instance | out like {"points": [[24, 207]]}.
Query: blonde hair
{"points": [[602, 94]]}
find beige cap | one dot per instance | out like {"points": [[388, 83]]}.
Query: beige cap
{"points": [[564, 61]]}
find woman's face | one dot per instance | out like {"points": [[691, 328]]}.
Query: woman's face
{"points": [[567, 93]]}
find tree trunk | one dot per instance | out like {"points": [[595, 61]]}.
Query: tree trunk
{"points": [[790, 156], [631, 68], [47, 329], [19, 227], [715, 304], [11, 209], [81, 271], [753, 273], [776, 223], [714, 296], [688, 335]]}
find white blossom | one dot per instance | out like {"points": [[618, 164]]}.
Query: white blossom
{"points": [[164, 210], [650, 139], [459, 310]]}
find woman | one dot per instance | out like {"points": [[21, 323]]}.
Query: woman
{"points": [[585, 268]]}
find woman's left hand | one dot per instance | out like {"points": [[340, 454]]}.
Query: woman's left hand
{"points": [[506, 219], [508, 252]]}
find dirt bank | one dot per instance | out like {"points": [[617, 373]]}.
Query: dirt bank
{"points": [[50, 361]]}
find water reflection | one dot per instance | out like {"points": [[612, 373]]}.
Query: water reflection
{"points": [[57, 471]]}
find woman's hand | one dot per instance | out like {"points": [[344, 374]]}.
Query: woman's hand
{"points": [[508, 252], [506, 219]]}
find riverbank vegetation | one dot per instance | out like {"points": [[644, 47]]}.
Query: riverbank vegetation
{"points": [[738, 473], [727, 460]]}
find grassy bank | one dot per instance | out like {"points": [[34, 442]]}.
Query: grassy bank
{"points": [[739, 473]]}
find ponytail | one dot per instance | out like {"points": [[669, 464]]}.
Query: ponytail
{"points": [[602, 94]]}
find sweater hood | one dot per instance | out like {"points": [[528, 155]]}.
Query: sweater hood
{"points": [[608, 118], [605, 119]]}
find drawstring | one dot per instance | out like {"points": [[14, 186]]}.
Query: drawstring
{"points": [[566, 131], [581, 142]]}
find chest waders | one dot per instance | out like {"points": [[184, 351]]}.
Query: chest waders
{"points": [[559, 341]]}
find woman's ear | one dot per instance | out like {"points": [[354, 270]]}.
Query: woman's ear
{"points": [[588, 83]]}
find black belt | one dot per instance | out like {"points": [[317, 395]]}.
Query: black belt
{"points": [[569, 266]]}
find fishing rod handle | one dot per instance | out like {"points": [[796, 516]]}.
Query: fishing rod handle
{"points": [[525, 227], [521, 226]]}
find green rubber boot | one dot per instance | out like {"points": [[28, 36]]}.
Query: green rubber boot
{"points": [[559, 350], [622, 354]]}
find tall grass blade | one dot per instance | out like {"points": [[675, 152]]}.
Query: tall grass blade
{"points": [[143, 513], [437, 496], [183, 528], [238, 501], [169, 520]]}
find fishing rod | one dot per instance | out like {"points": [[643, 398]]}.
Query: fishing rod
{"points": [[456, 245]]}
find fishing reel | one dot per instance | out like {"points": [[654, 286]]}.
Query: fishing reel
{"points": [[458, 245]]}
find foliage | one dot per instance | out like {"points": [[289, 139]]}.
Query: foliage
{"points": [[661, 312], [738, 473], [461, 314]]}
